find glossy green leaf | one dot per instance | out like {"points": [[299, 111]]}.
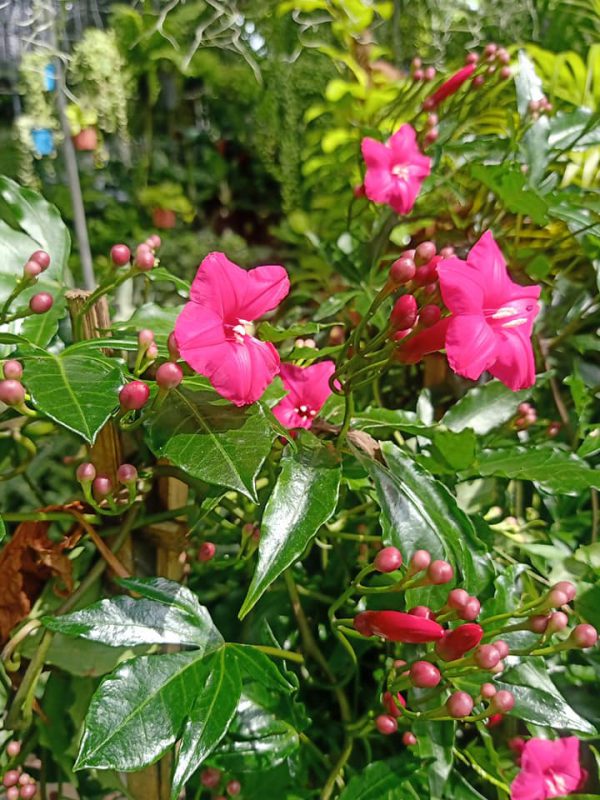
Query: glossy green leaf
{"points": [[210, 438], [171, 593], [435, 741], [484, 408], [271, 333], [260, 668], [509, 186], [455, 450], [137, 712], [304, 498], [556, 471], [124, 622], [382, 780], [79, 392], [537, 699], [2, 529], [209, 718]]}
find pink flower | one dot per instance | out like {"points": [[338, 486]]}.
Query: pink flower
{"points": [[308, 389], [491, 319], [449, 87], [548, 769], [395, 170], [214, 331]]}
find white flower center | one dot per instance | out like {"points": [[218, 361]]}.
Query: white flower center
{"points": [[401, 171], [240, 329], [305, 411], [555, 784]]}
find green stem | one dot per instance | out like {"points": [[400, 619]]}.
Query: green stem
{"points": [[276, 652], [338, 769], [348, 412]]}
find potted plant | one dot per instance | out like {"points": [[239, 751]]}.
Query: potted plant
{"points": [[165, 202], [82, 123], [34, 84]]}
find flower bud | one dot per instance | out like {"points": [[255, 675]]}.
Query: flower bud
{"points": [[486, 656], [134, 396], [516, 744], [447, 252], [358, 190], [234, 788], [424, 253], [42, 258], [388, 559], [583, 636], [418, 75], [12, 393], [41, 302], [457, 642], [144, 259], [422, 611], [32, 269], [457, 599], [538, 623], [429, 73], [487, 690], [471, 58], [558, 621], [431, 136], [439, 572], [477, 81], [29, 791], [431, 121], [556, 598], [86, 472], [503, 701], [404, 312], [459, 704], [416, 63], [206, 551], [396, 626], [12, 370], [13, 793], [429, 315], [566, 587], [152, 352], [502, 647], [154, 241], [471, 609], [498, 668], [172, 347], [120, 255], [145, 337], [420, 560], [402, 271], [210, 777], [408, 739], [13, 748], [391, 706], [553, 429], [490, 49], [169, 375], [425, 675], [127, 473], [386, 724], [493, 720], [505, 73], [102, 486], [11, 778]]}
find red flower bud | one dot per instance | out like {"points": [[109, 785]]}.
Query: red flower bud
{"points": [[490, 49], [396, 626], [584, 636], [418, 75], [452, 85], [127, 473], [477, 81], [516, 744], [420, 560], [41, 257], [120, 255], [447, 252], [424, 253], [11, 777], [40, 303], [13, 793], [386, 724], [388, 559], [408, 739], [169, 375], [234, 788], [404, 312], [86, 472], [471, 609], [391, 706], [558, 621], [502, 647], [12, 393], [503, 701], [459, 704], [562, 586], [402, 271], [471, 58], [493, 720], [488, 690], [145, 337], [505, 73], [439, 572], [134, 396], [425, 675], [457, 599], [32, 269], [144, 259], [102, 486], [154, 241], [459, 641], [486, 656], [422, 611], [206, 551], [210, 777], [172, 347], [12, 370], [429, 315], [538, 623], [429, 73]]}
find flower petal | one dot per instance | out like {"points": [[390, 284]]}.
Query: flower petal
{"points": [[285, 412], [403, 144], [528, 786], [378, 184], [461, 286], [375, 154], [265, 289], [427, 341], [470, 345], [308, 385], [486, 258], [196, 328], [515, 362]]}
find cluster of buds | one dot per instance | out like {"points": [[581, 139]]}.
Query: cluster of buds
{"points": [[145, 254], [99, 490], [39, 303], [457, 650], [213, 778], [541, 106], [416, 272], [526, 416], [18, 785], [12, 391], [134, 395]]}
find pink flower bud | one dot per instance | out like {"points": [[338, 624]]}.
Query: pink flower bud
{"points": [[42, 258], [428, 272], [516, 744], [432, 121], [431, 136], [488, 690], [538, 623], [502, 647], [424, 253], [556, 598], [477, 81], [25, 778], [12, 393], [396, 626], [11, 778], [169, 375], [408, 739], [429, 315], [558, 622], [583, 636], [459, 704], [120, 255], [457, 599], [206, 551], [498, 668], [455, 643], [13, 748], [145, 337], [102, 486], [388, 559], [490, 49], [144, 259], [420, 560], [402, 271], [172, 347], [386, 724], [418, 75], [566, 587], [425, 675], [13, 793], [127, 473], [471, 609], [41, 302], [429, 73], [493, 720], [486, 656], [234, 788], [404, 312], [422, 611], [447, 252], [154, 241], [391, 706], [134, 396], [210, 777], [29, 791], [359, 190], [553, 429], [86, 472], [32, 269], [505, 73], [503, 701], [471, 58], [440, 572], [152, 352], [503, 56], [12, 370], [416, 63]]}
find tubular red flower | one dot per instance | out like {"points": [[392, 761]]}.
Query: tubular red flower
{"points": [[459, 641], [450, 86], [397, 626]]}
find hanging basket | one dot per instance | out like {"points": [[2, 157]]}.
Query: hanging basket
{"points": [[43, 141], [49, 77]]}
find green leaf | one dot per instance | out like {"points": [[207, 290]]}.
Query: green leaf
{"points": [[534, 144], [537, 699], [2, 530], [29, 223], [259, 667], [171, 593], [210, 438], [271, 333], [456, 450], [137, 712], [556, 471], [304, 498], [210, 717], [419, 512], [79, 392], [124, 622], [484, 408], [381, 780], [509, 186], [150, 315], [435, 741]]}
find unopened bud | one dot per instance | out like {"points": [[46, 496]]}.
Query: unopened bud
{"points": [[487, 690], [402, 271], [233, 788], [503, 701], [470, 610], [583, 636], [424, 253], [12, 370], [172, 347], [424, 675], [169, 375], [41, 257], [429, 315], [206, 551], [145, 337], [120, 255], [144, 259], [420, 560], [404, 312], [566, 587], [388, 559], [210, 777], [408, 739], [102, 486], [386, 724], [13, 748], [127, 474], [12, 393], [459, 704], [32, 269], [40, 303], [86, 472], [134, 396], [486, 656], [440, 572]]}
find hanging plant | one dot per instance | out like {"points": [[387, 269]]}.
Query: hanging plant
{"points": [[165, 202], [36, 130], [99, 77], [82, 124]]}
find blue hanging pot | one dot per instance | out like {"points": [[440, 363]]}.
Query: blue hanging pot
{"points": [[50, 77], [43, 141]]}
